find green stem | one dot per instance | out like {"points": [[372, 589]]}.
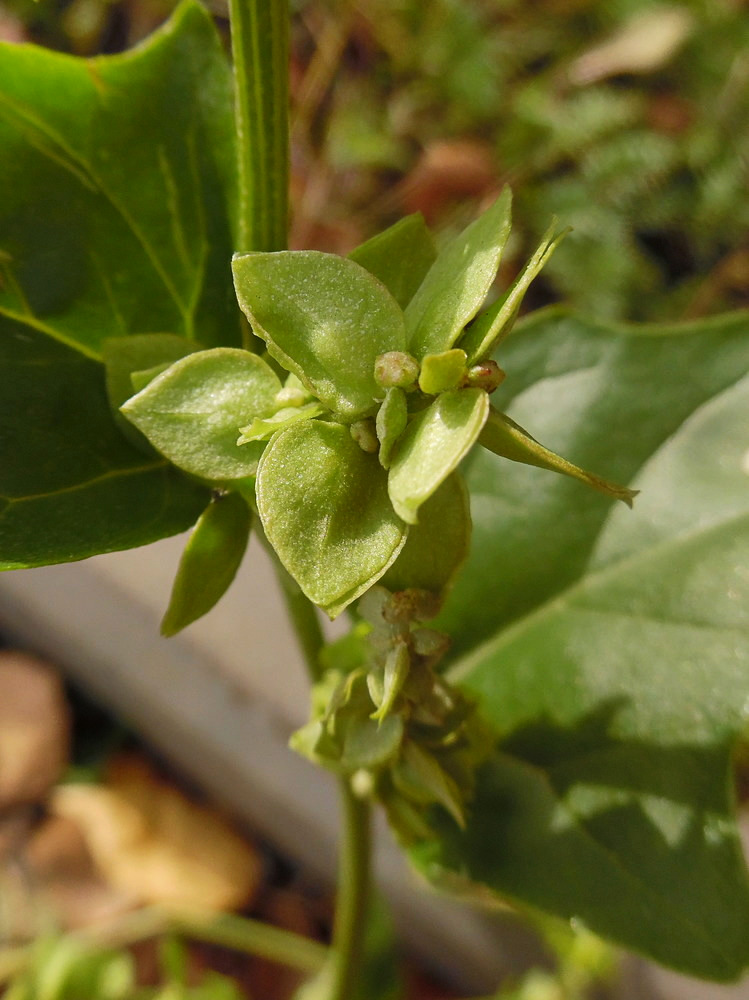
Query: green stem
{"points": [[354, 877], [260, 48], [306, 622], [302, 611]]}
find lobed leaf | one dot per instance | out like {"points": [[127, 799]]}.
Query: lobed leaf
{"points": [[432, 447], [192, 412], [117, 173], [209, 562], [325, 319], [325, 509], [457, 283]]}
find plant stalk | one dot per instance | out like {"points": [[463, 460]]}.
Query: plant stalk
{"points": [[302, 612], [354, 882], [260, 50]]}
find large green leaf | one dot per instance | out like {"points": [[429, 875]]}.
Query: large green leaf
{"points": [[117, 174], [81, 488], [616, 667]]}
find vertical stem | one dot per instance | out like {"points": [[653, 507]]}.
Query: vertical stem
{"points": [[260, 48], [303, 615], [302, 612], [354, 877]]}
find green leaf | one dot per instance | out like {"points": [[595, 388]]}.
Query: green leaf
{"points": [[116, 175], [432, 446], [616, 650], [458, 281], [392, 418], [192, 412], [209, 562], [325, 319], [491, 328], [325, 509], [437, 546], [507, 439], [70, 484], [400, 256], [419, 777]]}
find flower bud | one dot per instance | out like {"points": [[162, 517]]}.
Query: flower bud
{"points": [[486, 375], [396, 368], [363, 432]]}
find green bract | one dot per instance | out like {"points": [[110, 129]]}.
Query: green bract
{"points": [[325, 509], [210, 561], [400, 257], [456, 285], [325, 319], [192, 411], [342, 332], [433, 445]]}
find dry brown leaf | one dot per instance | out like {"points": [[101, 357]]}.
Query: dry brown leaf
{"points": [[65, 878], [34, 729], [150, 841]]}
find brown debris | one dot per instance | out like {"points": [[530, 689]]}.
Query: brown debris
{"points": [[34, 729]]}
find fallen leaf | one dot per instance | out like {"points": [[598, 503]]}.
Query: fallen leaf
{"points": [[153, 843], [65, 879], [34, 729]]}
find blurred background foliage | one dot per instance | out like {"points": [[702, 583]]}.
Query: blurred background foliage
{"points": [[627, 119]]}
